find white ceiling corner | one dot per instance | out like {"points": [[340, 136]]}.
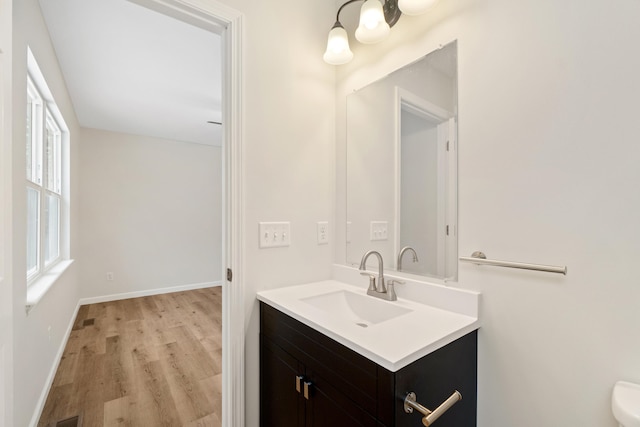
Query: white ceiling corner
{"points": [[133, 70]]}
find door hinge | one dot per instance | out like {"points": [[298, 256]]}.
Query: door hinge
{"points": [[447, 230], [229, 274], [447, 145]]}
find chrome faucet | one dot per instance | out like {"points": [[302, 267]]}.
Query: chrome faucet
{"points": [[402, 251], [378, 289]]}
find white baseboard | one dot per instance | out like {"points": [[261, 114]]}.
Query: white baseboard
{"points": [[146, 293], [94, 300], [52, 373]]}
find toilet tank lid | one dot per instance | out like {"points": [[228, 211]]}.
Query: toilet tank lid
{"points": [[625, 403]]}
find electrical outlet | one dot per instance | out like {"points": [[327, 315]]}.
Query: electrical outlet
{"points": [[348, 231], [274, 234], [49, 332], [323, 232], [110, 276], [379, 230]]}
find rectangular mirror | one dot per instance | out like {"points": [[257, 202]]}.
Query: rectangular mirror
{"points": [[402, 168]]}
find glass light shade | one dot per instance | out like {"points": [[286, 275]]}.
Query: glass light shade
{"points": [[338, 51], [415, 7], [373, 27]]}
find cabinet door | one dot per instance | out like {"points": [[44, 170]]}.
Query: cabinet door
{"points": [[280, 403], [327, 407], [434, 378]]}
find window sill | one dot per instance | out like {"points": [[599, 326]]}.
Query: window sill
{"points": [[37, 289]]}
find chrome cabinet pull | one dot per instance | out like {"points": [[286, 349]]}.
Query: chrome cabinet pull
{"points": [[307, 386], [299, 379], [410, 404]]}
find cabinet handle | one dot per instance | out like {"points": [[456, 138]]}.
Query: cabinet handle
{"points": [[307, 386], [430, 416], [299, 379]]}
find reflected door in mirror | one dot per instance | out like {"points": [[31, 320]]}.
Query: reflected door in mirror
{"points": [[402, 168]]}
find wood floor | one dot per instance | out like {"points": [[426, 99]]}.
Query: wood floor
{"points": [[151, 361]]}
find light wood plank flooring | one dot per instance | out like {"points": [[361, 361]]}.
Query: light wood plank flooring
{"points": [[151, 361]]}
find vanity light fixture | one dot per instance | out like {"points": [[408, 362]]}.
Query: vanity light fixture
{"points": [[416, 7], [373, 26], [376, 19]]}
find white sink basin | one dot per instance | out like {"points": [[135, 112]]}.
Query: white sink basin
{"points": [[363, 310], [383, 331]]}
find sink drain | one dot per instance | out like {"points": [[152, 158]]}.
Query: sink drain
{"points": [[363, 325]]}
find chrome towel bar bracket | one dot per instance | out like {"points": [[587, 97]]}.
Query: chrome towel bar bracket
{"points": [[480, 258]]}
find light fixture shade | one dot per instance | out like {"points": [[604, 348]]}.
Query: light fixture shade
{"points": [[415, 7], [338, 51], [373, 27]]}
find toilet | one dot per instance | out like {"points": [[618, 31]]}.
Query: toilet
{"points": [[625, 404]]}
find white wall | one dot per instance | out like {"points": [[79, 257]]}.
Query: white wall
{"points": [[150, 213], [34, 353], [371, 169], [548, 173], [288, 151]]}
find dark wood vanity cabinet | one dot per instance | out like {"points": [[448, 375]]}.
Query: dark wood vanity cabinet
{"points": [[309, 379]]}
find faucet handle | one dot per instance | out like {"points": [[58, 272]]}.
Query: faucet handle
{"points": [[372, 279], [391, 290]]}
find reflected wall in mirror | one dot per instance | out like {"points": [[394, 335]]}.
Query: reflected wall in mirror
{"points": [[402, 168]]}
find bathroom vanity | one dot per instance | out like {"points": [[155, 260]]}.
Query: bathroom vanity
{"points": [[320, 366]]}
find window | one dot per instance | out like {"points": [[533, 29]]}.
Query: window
{"points": [[44, 182]]}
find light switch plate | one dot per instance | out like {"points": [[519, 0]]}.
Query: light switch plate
{"points": [[274, 234], [379, 230]]}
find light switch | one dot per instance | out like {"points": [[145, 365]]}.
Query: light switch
{"points": [[379, 230], [274, 234]]}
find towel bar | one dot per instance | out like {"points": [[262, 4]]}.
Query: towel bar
{"points": [[480, 258]]}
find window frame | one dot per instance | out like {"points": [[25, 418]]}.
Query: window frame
{"points": [[44, 145]]}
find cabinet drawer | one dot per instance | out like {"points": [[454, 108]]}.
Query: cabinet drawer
{"points": [[348, 372]]}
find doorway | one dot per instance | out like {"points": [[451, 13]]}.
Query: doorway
{"points": [[227, 23], [425, 173]]}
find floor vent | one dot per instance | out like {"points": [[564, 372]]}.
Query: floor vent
{"points": [[70, 422]]}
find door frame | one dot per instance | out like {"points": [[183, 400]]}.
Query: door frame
{"points": [[228, 22], [6, 291], [406, 100]]}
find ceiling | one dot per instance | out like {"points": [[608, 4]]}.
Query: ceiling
{"points": [[133, 70]]}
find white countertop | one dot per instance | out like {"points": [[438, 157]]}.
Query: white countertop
{"points": [[394, 343]]}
